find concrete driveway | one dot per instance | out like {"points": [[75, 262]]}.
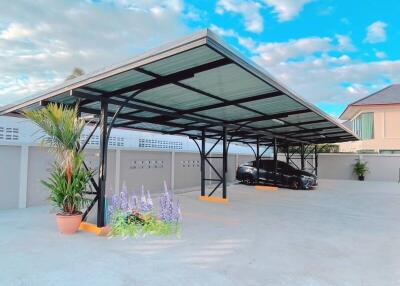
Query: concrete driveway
{"points": [[343, 233]]}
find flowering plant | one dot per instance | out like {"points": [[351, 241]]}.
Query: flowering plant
{"points": [[133, 217], [169, 211]]}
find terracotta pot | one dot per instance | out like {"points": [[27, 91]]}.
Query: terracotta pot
{"points": [[68, 224]]}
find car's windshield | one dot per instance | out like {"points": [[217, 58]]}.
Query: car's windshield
{"points": [[284, 166], [269, 165]]}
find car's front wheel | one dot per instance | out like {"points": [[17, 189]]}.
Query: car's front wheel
{"points": [[295, 184], [248, 179]]}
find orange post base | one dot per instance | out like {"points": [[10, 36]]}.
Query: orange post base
{"points": [[213, 199], [89, 227], [266, 188]]}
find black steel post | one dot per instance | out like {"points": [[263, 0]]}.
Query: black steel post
{"points": [[316, 159], [302, 156], [203, 163], [287, 154], [224, 163], [258, 159], [102, 165], [275, 159]]}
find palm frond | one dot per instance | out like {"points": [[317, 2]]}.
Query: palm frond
{"points": [[68, 179]]}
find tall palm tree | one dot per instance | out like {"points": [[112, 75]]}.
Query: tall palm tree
{"points": [[63, 130], [76, 72], [68, 180]]}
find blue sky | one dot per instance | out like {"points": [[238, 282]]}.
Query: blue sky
{"points": [[329, 52]]}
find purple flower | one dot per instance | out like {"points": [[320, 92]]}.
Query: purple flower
{"points": [[146, 203], [133, 203], [149, 201], [124, 204], [115, 204], [178, 214], [169, 212]]}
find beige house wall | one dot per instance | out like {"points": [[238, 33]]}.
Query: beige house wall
{"points": [[386, 130]]}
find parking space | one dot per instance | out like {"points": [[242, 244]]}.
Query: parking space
{"points": [[342, 233]]}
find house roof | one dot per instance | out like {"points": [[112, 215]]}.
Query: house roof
{"points": [[387, 95], [195, 84]]}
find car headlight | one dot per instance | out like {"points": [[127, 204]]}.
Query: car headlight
{"points": [[306, 177]]}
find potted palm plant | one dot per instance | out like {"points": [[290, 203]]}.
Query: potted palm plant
{"points": [[360, 169], [68, 179]]}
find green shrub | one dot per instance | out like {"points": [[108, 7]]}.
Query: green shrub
{"points": [[360, 168], [68, 197], [135, 224]]}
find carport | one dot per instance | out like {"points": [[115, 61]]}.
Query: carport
{"points": [[201, 88]]}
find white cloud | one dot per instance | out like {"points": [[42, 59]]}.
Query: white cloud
{"points": [[13, 88], [274, 53], [250, 10], [330, 79], [325, 11], [357, 89], [321, 69], [15, 31], [194, 14], [42, 41], [345, 21], [287, 9], [380, 55], [376, 32], [224, 32], [345, 43], [246, 42], [148, 5]]}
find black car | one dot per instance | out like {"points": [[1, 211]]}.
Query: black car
{"points": [[285, 175]]}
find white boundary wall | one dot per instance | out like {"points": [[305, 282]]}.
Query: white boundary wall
{"points": [[339, 166], [382, 167], [22, 167], [175, 159]]}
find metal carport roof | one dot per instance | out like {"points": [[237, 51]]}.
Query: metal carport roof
{"points": [[195, 84]]}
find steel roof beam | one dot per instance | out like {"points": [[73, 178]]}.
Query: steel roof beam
{"points": [[168, 79], [136, 119], [172, 114], [267, 117], [224, 102], [164, 118], [229, 103], [296, 124], [311, 131], [326, 135], [142, 107]]}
